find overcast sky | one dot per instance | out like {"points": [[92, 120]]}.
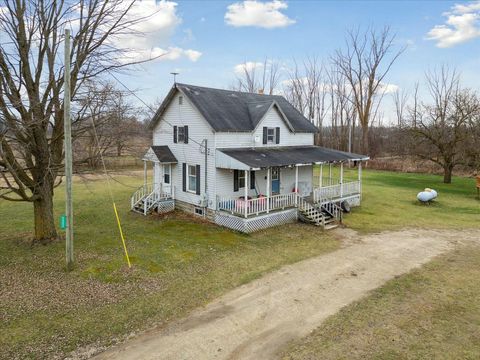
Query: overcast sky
{"points": [[206, 40]]}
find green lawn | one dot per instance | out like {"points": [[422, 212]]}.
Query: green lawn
{"points": [[389, 202], [179, 262]]}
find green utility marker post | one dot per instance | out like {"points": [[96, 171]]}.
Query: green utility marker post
{"points": [[63, 222]]}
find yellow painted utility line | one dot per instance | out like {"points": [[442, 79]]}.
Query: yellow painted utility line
{"points": [[111, 196], [121, 235]]}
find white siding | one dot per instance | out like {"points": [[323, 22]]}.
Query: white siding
{"points": [[220, 181], [271, 119], [287, 181], [198, 129]]}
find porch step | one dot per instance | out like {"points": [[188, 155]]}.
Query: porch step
{"points": [[325, 216], [331, 226]]}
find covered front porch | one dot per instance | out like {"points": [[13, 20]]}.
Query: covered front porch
{"points": [[288, 178]]}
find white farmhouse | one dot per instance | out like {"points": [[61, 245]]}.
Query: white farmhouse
{"points": [[242, 160]]}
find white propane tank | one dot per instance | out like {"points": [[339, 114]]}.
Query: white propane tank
{"points": [[427, 195]]}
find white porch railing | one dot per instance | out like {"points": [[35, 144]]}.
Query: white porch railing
{"points": [[150, 194], [329, 193], [256, 206]]}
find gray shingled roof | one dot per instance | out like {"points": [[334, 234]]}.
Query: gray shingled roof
{"points": [[263, 157], [227, 110], [164, 154]]}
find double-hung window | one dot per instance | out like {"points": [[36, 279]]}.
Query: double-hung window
{"points": [[271, 135], [166, 174], [181, 134], [192, 178], [241, 179]]}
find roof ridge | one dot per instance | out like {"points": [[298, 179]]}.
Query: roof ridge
{"points": [[228, 90]]}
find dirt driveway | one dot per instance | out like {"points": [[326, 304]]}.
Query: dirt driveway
{"points": [[255, 320]]}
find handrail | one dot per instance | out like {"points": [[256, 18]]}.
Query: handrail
{"points": [[150, 194], [334, 210]]}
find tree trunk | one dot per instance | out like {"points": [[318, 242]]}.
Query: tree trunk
{"points": [[44, 221], [365, 147], [447, 174]]}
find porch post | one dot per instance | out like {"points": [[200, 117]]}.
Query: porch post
{"points": [[330, 174], [360, 178], [296, 184], [320, 178], [246, 193], [341, 179], [268, 190], [144, 173]]}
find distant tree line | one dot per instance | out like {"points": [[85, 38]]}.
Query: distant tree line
{"points": [[109, 126], [342, 96]]}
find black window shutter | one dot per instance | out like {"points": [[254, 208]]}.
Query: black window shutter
{"points": [[184, 177], [175, 134], [277, 135], [235, 180], [252, 180], [198, 179], [186, 134], [264, 135]]}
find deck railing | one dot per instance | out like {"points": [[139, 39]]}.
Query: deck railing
{"points": [[323, 195], [332, 192], [256, 206]]}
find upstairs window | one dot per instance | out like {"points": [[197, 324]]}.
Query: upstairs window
{"points": [[271, 135], [180, 134]]}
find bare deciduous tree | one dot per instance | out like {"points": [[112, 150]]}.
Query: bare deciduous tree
{"points": [[108, 126], [440, 129], [365, 62], [31, 80], [306, 89], [256, 77]]}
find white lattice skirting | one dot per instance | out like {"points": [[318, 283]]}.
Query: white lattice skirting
{"points": [[166, 206], [256, 223]]}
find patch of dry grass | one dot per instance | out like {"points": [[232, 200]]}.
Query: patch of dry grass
{"points": [[179, 263], [430, 313]]}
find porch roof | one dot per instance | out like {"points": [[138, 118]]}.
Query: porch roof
{"points": [[263, 157], [161, 154]]}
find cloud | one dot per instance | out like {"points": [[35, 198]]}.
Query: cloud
{"points": [[388, 88], [149, 38], [266, 15], [247, 66], [171, 53], [462, 25], [193, 55]]}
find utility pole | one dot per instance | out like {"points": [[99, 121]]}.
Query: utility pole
{"points": [[67, 125]]}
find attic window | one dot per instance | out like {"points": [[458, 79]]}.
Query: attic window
{"points": [[180, 100], [271, 135]]}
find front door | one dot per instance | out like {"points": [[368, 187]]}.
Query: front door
{"points": [[275, 180], [167, 178]]}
